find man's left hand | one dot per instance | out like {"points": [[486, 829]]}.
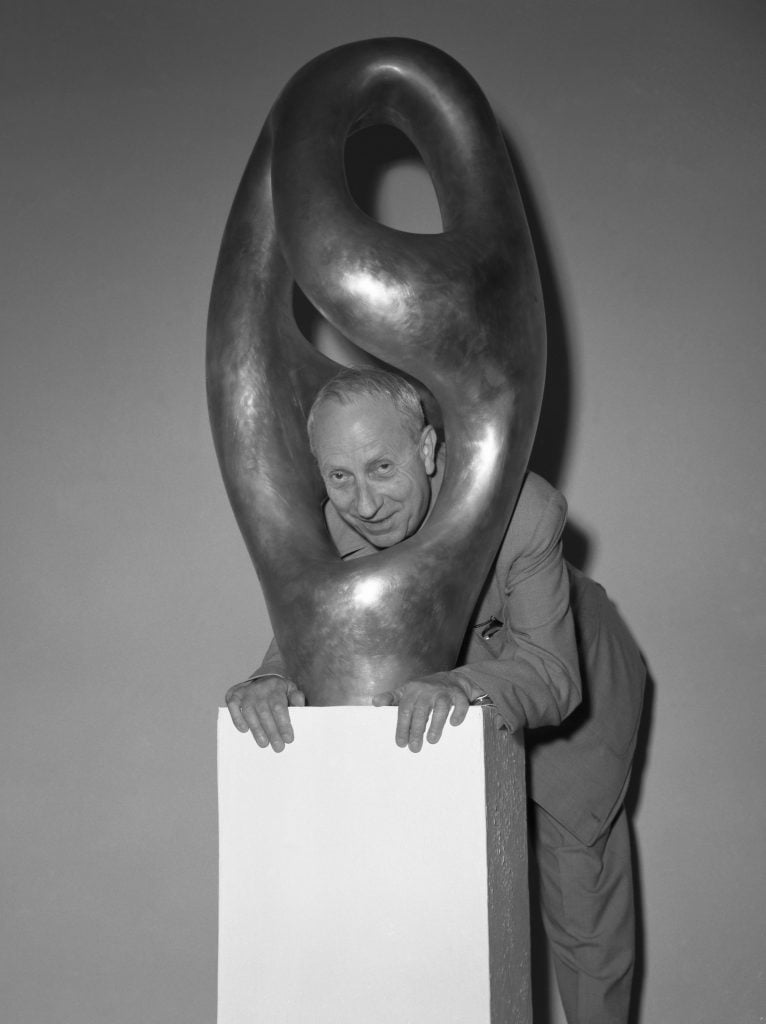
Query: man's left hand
{"points": [[419, 699]]}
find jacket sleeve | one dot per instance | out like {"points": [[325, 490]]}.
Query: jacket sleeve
{"points": [[272, 664], [530, 666]]}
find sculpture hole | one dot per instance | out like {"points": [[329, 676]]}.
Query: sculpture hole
{"points": [[336, 346], [389, 182], [326, 337]]}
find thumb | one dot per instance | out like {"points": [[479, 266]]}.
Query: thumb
{"points": [[295, 697], [386, 699]]}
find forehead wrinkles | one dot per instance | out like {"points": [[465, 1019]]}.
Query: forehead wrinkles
{"points": [[363, 454], [362, 446]]}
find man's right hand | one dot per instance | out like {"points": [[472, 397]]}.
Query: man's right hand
{"points": [[260, 706]]}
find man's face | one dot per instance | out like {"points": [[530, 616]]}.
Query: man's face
{"points": [[376, 475]]}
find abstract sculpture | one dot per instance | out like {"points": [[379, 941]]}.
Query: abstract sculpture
{"points": [[459, 311]]}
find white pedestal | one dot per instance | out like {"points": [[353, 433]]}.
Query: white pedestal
{"points": [[354, 875]]}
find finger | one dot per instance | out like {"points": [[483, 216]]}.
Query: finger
{"points": [[403, 719], [281, 719], [263, 720], [385, 700], [255, 725], [296, 698], [232, 703], [418, 722], [269, 720], [461, 707], [442, 706]]}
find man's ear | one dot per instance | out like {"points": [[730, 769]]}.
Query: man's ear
{"points": [[427, 448]]}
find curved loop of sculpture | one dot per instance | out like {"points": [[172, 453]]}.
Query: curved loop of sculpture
{"points": [[461, 311]]}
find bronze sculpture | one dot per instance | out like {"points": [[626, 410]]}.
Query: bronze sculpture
{"points": [[460, 311]]}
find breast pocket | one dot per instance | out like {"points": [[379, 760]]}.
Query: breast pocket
{"points": [[488, 638]]}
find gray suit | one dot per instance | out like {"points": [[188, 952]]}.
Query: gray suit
{"points": [[561, 636], [579, 754]]}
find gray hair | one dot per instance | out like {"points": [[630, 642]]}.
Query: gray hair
{"points": [[364, 382]]}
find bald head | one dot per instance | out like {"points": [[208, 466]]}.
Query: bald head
{"points": [[354, 383]]}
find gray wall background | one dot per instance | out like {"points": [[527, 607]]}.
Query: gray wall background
{"points": [[128, 600]]}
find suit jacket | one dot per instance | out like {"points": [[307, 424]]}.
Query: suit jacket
{"points": [[550, 649], [559, 629]]}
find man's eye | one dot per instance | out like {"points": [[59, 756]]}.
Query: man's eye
{"points": [[384, 467], [337, 478]]}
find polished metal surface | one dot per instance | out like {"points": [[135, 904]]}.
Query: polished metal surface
{"points": [[461, 311]]}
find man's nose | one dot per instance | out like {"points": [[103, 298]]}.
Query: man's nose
{"points": [[367, 501]]}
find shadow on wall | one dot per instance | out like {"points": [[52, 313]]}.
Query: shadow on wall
{"points": [[550, 447]]}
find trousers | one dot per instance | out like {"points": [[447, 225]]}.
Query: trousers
{"points": [[586, 897]]}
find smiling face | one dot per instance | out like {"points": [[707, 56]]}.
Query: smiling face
{"points": [[376, 474]]}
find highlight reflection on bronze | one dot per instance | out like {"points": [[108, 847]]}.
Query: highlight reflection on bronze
{"points": [[461, 311]]}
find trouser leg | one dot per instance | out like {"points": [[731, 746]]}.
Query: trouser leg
{"points": [[587, 907]]}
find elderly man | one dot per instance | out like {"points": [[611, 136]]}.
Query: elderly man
{"points": [[545, 645]]}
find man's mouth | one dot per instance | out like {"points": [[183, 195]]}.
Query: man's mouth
{"points": [[376, 525]]}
